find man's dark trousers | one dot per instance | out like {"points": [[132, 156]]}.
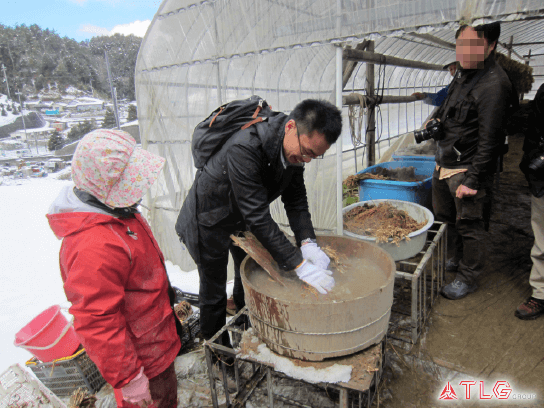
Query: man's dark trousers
{"points": [[466, 218], [214, 245]]}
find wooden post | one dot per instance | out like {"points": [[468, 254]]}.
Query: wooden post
{"points": [[510, 46], [371, 114], [353, 99], [370, 56]]}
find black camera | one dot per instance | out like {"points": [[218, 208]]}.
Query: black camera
{"points": [[537, 163], [433, 130]]}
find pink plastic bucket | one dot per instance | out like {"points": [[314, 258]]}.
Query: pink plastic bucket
{"points": [[48, 336]]}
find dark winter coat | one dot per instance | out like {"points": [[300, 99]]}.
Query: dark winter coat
{"points": [[238, 184], [114, 276], [473, 125], [529, 120]]}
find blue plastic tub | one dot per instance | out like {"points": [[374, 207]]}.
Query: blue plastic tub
{"points": [[421, 157], [415, 192]]}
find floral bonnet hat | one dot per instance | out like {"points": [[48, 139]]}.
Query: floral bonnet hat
{"points": [[108, 165]]}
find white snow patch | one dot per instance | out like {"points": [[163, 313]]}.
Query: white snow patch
{"points": [[333, 374], [189, 281]]}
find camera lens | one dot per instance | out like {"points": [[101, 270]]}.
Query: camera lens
{"points": [[421, 135], [537, 163]]}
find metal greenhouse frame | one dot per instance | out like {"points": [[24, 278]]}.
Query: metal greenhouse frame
{"points": [[198, 55]]}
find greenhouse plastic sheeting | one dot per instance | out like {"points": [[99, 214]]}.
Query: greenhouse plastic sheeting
{"points": [[199, 55]]}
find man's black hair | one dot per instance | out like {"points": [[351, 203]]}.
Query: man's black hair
{"points": [[491, 32], [318, 115]]}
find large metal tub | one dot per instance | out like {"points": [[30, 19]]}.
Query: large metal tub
{"points": [[297, 323], [406, 248]]}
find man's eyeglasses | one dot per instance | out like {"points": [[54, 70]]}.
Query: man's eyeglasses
{"points": [[305, 154]]}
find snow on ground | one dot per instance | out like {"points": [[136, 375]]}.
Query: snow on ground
{"points": [[333, 374], [6, 120], [30, 279]]}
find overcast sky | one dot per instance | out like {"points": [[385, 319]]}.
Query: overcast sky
{"points": [[81, 19]]}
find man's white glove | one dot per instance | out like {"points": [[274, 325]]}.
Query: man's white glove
{"points": [[315, 255], [313, 275]]}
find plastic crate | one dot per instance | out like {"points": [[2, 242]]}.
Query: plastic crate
{"points": [[65, 375], [191, 329], [418, 192], [18, 388]]}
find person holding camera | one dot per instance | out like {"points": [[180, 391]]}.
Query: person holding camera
{"points": [[528, 120], [468, 129]]}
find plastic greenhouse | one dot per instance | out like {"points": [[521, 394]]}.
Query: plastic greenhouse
{"points": [[199, 55]]}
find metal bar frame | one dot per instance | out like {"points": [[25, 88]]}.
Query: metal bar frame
{"points": [[347, 397], [425, 286]]}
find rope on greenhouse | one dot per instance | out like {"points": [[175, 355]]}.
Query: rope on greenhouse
{"points": [[356, 118]]}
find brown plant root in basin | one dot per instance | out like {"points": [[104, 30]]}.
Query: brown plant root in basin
{"points": [[336, 262], [382, 222]]}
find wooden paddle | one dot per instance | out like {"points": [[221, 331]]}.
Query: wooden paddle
{"points": [[255, 249]]}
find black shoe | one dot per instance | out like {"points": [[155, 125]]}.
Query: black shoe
{"points": [[530, 309], [452, 265], [458, 290]]}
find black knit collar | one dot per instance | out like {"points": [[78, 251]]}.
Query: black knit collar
{"points": [[124, 212]]}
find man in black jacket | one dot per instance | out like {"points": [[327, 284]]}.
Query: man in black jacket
{"points": [[467, 151], [529, 121], [233, 193]]}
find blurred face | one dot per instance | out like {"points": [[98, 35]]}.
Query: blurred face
{"points": [[299, 148], [452, 68], [471, 50]]}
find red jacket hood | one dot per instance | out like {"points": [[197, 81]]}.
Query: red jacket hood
{"points": [[65, 224], [68, 214]]}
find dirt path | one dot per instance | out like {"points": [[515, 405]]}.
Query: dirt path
{"points": [[479, 335]]}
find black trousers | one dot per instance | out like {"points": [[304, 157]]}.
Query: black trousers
{"points": [[214, 245], [468, 221]]}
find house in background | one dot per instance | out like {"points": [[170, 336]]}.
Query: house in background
{"points": [[59, 125], [89, 104], [33, 135], [60, 106]]}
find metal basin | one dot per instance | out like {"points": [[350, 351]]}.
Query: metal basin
{"points": [[405, 249], [297, 322]]}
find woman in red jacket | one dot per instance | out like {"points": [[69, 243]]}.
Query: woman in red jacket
{"points": [[113, 269]]}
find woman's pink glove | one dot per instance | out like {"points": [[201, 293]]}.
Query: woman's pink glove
{"points": [[137, 390]]}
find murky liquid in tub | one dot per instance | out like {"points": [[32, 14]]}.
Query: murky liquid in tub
{"points": [[356, 278]]}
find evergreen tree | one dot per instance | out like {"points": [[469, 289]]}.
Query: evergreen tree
{"points": [[79, 130], [109, 119], [55, 141], [4, 113], [85, 128], [132, 113]]}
